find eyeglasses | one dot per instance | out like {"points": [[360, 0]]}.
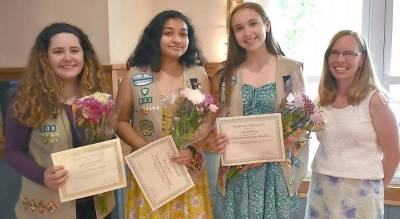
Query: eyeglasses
{"points": [[348, 55]]}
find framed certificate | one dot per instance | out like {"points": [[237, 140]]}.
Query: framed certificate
{"points": [[252, 139], [160, 179], [92, 169]]}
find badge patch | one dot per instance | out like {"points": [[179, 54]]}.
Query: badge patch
{"points": [[287, 83], [144, 91], [50, 138], [48, 128], [144, 100], [142, 79], [146, 127], [146, 110], [194, 83]]}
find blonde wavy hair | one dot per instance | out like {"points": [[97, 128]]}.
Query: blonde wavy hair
{"points": [[39, 92], [364, 81]]}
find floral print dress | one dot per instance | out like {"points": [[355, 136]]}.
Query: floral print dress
{"points": [[194, 203], [259, 192]]}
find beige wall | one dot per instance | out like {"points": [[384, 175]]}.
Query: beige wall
{"points": [[22, 20], [209, 19], [113, 26], [128, 18]]}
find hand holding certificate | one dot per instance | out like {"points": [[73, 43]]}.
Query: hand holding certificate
{"points": [[160, 179], [92, 169], [252, 139]]}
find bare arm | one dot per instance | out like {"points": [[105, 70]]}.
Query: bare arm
{"points": [[386, 130], [125, 105]]}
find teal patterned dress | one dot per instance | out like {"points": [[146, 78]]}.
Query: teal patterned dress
{"points": [[259, 192]]}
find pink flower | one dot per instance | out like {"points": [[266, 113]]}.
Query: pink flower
{"points": [[213, 108], [298, 100], [94, 117]]}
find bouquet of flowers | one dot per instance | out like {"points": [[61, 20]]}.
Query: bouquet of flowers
{"points": [[193, 107], [300, 117], [95, 118]]}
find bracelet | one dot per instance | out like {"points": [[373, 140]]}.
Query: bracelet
{"points": [[192, 149]]}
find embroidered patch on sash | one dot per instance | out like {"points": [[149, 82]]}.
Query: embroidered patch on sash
{"points": [[194, 83], [287, 83], [48, 128], [144, 100], [50, 138], [146, 127], [146, 110], [142, 79], [144, 91], [38, 205]]}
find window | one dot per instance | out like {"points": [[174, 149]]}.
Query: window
{"points": [[395, 56], [303, 28]]}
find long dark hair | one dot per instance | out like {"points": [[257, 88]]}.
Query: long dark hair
{"points": [[236, 54], [148, 51]]}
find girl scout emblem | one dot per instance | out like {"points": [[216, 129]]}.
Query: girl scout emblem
{"points": [[142, 100]]}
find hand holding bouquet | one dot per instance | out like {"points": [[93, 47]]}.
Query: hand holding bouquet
{"points": [[193, 108], [95, 118], [300, 117]]}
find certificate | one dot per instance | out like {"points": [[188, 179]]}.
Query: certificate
{"points": [[92, 169], [160, 179], [252, 139]]}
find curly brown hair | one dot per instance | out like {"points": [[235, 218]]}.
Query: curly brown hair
{"points": [[39, 93]]}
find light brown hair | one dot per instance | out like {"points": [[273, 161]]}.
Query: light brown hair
{"points": [[364, 81]]}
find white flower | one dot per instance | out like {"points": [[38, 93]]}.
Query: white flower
{"points": [[194, 96], [101, 97]]}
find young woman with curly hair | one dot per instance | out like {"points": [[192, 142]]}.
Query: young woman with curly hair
{"points": [[62, 67]]}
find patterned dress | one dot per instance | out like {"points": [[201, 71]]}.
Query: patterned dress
{"points": [[194, 203], [259, 192]]}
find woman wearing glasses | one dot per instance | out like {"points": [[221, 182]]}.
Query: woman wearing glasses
{"points": [[349, 171]]}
